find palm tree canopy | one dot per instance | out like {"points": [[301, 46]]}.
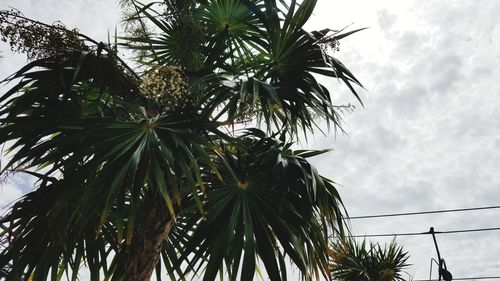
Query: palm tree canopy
{"points": [[104, 140], [354, 260]]}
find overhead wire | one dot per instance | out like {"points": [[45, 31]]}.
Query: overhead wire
{"points": [[423, 212], [429, 232], [464, 278], [425, 233]]}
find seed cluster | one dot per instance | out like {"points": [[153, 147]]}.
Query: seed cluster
{"points": [[35, 39], [166, 85], [187, 38]]}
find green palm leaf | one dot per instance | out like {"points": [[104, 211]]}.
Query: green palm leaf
{"points": [[95, 166], [263, 49], [268, 207], [128, 184]]}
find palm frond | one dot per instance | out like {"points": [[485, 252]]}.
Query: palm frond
{"points": [[264, 50], [270, 206], [354, 260], [94, 163], [114, 162]]}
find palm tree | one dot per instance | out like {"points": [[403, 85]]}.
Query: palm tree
{"points": [[141, 171], [359, 261]]}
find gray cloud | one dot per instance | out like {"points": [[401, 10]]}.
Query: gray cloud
{"points": [[428, 137], [386, 20]]}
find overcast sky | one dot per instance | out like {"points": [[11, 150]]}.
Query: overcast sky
{"points": [[428, 137]]}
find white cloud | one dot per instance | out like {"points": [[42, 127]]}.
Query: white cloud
{"points": [[8, 194], [429, 136], [12, 188]]}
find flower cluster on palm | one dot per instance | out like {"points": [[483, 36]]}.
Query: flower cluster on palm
{"points": [[142, 173]]}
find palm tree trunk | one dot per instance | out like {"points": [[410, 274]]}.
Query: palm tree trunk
{"points": [[144, 252]]}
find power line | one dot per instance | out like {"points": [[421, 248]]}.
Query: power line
{"points": [[423, 212], [465, 278], [427, 232]]}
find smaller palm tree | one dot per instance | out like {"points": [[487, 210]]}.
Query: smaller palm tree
{"points": [[360, 261]]}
